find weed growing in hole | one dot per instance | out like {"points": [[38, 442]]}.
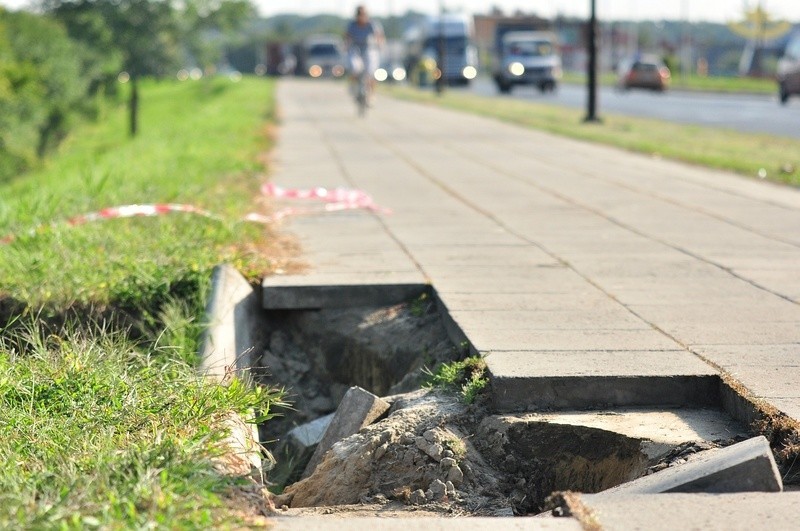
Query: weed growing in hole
{"points": [[420, 305], [457, 446], [467, 377]]}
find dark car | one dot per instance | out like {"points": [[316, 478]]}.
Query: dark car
{"points": [[789, 70], [647, 72]]}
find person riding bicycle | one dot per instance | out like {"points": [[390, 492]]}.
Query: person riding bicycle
{"points": [[363, 38]]}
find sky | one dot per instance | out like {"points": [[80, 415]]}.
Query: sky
{"points": [[693, 10]]}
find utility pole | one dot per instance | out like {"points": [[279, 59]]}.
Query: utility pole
{"points": [[440, 62], [591, 109]]}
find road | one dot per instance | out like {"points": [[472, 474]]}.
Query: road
{"points": [[742, 112]]}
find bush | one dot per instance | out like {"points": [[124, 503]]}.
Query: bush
{"points": [[41, 88]]}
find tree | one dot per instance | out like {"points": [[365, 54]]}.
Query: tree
{"points": [[150, 36], [41, 88]]}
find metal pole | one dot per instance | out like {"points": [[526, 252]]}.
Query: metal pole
{"points": [[591, 110], [440, 60]]}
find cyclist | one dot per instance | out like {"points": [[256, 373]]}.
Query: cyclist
{"points": [[363, 38]]}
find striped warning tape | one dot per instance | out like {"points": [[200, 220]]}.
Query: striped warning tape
{"points": [[337, 199]]}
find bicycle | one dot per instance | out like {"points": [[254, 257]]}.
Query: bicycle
{"points": [[361, 89]]}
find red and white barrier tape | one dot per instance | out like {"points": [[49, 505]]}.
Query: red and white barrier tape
{"points": [[125, 211], [335, 200], [130, 211], [346, 198]]}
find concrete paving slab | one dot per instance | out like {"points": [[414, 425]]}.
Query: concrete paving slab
{"points": [[570, 340], [611, 318], [700, 252], [667, 512], [428, 523]]}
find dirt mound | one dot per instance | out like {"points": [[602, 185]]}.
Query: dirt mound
{"points": [[418, 455]]}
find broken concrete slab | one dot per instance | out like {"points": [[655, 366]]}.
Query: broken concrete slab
{"points": [[232, 314], [358, 408], [748, 466]]}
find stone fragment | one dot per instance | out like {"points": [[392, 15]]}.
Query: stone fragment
{"points": [[447, 462], [450, 489], [380, 451], [455, 475], [430, 436], [437, 490], [417, 497], [748, 466], [358, 408]]}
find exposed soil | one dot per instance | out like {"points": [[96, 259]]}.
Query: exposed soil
{"points": [[431, 454], [317, 355]]}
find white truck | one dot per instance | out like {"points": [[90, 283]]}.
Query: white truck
{"points": [[527, 58], [444, 45]]}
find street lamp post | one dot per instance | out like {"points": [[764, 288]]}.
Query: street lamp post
{"points": [[440, 55], [591, 110]]}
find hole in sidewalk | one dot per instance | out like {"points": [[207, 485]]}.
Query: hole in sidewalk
{"points": [[317, 355], [433, 452]]}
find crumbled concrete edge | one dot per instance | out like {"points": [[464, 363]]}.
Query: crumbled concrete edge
{"points": [[358, 408], [762, 418], [227, 340]]}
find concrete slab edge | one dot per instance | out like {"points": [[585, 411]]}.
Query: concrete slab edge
{"points": [[314, 297], [593, 392]]}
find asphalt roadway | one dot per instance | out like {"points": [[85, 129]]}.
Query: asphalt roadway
{"points": [[588, 276], [747, 113]]}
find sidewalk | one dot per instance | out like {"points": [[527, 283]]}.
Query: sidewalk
{"points": [[588, 275]]}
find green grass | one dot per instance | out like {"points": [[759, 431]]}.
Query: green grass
{"points": [[753, 155], [199, 144], [103, 432], [466, 377], [106, 422]]}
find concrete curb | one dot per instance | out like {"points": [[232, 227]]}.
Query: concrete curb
{"points": [[231, 313]]}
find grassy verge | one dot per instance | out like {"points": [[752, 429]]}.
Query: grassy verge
{"points": [[764, 156], [199, 145], [108, 424], [106, 433]]}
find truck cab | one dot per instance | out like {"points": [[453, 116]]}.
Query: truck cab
{"points": [[446, 39], [527, 58]]}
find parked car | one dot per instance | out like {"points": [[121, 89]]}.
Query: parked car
{"points": [[646, 71], [788, 74]]}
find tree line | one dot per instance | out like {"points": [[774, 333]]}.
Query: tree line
{"points": [[59, 63]]}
